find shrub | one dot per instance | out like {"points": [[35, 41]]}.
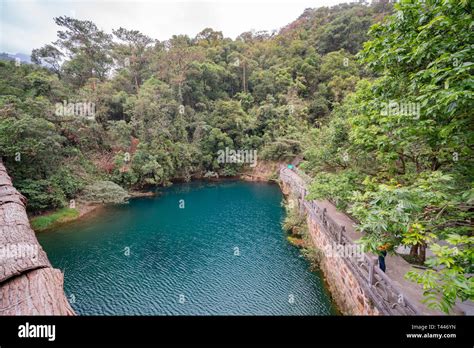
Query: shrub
{"points": [[104, 192], [41, 194]]}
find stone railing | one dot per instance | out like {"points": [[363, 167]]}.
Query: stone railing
{"points": [[377, 286]]}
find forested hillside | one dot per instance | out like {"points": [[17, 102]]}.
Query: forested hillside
{"points": [[164, 109], [376, 101]]}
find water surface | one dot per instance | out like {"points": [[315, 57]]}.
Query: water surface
{"points": [[224, 253]]}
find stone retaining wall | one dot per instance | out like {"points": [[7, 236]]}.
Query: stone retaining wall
{"points": [[349, 295], [357, 284]]}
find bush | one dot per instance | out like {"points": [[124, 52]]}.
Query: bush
{"points": [[104, 192], [337, 187], [294, 221], [281, 149], [41, 194], [67, 182]]}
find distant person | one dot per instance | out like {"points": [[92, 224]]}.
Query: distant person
{"points": [[382, 255]]}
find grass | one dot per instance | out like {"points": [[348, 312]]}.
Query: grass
{"points": [[41, 223]]}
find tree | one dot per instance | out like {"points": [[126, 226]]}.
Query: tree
{"points": [[48, 56], [87, 47], [133, 54]]}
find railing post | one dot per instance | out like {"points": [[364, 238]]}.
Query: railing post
{"points": [[339, 236], [371, 271]]}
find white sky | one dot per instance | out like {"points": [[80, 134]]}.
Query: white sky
{"points": [[28, 24]]}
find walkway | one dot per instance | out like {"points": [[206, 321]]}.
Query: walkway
{"points": [[397, 267]]}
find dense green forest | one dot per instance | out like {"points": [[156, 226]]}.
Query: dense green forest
{"points": [[376, 101]]}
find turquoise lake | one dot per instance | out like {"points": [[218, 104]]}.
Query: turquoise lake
{"points": [[201, 248]]}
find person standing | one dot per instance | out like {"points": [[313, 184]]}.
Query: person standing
{"points": [[382, 255]]}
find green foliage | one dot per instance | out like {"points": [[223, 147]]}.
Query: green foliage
{"points": [[449, 278], [347, 31], [407, 137], [329, 150], [281, 149], [394, 214], [169, 107], [338, 188], [425, 55], [87, 47], [270, 82], [294, 221], [41, 194], [67, 182], [104, 192]]}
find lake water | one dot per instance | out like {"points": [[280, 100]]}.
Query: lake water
{"points": [[195, 249]]}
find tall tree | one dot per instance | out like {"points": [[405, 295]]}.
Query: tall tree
{"points": [[132, 53], [48, 56], [87, 47]]}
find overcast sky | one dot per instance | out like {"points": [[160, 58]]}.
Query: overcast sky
{"points": [[28, 24]]}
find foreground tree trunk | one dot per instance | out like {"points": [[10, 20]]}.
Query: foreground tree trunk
{"points": [[29, 285]]}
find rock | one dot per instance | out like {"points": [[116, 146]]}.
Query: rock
{"points": [[29, 285]]}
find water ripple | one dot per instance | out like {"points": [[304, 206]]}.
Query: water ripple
{"points": [[223, 254]]}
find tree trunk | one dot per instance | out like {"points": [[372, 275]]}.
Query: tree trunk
{"points": [[136, 83], [414, 250], [29, 285], [422, 253]]}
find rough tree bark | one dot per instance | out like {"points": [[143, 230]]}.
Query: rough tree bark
{"points": [[29, 285]]}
